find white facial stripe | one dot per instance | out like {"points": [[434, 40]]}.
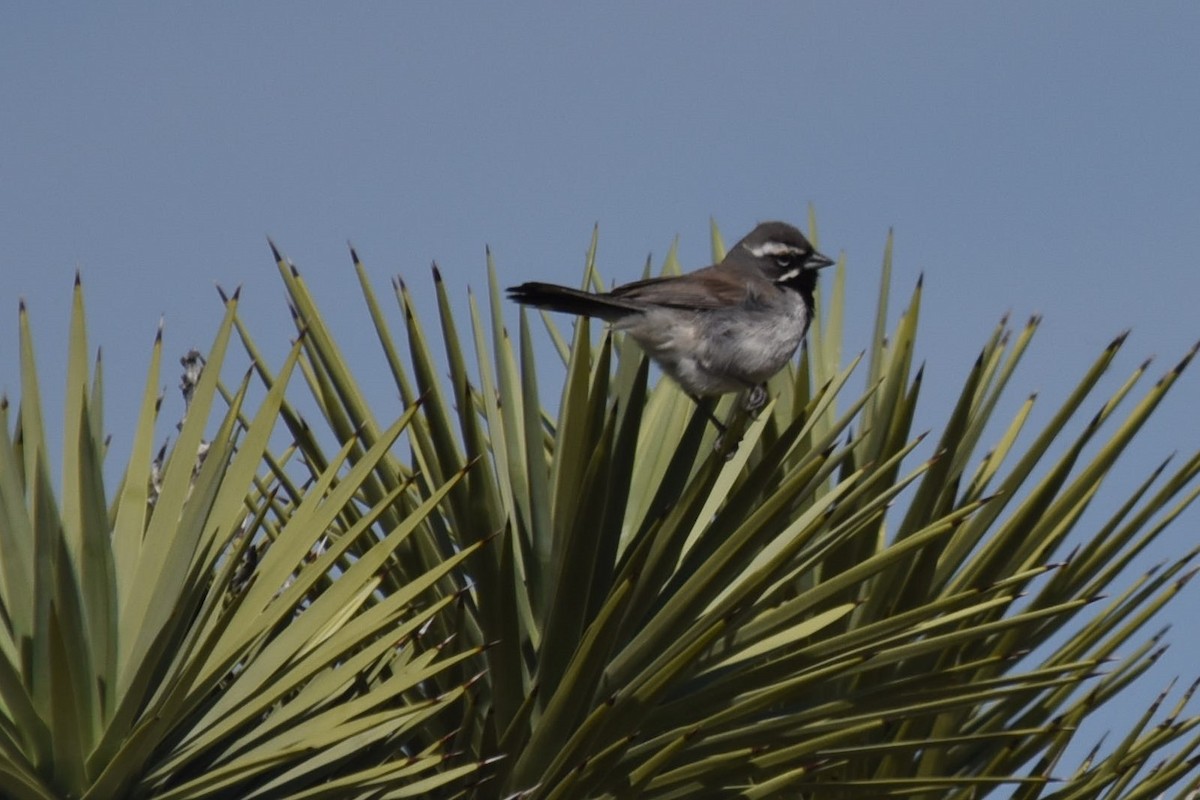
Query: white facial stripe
{"points": [[775, 249], [787, 276]]}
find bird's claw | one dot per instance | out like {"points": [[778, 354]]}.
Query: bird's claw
{"points": [[756, 398], [720, 449]]}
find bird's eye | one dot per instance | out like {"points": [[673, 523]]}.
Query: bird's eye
{"points": [[784, 261]]}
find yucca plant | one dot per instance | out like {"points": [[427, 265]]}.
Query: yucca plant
{"points": [[214, 627], [496, 596], [804, 611]]}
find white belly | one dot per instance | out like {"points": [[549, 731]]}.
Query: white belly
{"points": [[715, 352]]}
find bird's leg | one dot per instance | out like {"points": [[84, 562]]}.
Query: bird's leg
{"points": [[755, 399], [706, 406]]}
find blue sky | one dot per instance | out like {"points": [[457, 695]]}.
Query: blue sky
{"points": [[1031, 157]]}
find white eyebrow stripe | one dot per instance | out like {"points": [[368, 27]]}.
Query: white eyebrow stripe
{"points": [[775, 249]]}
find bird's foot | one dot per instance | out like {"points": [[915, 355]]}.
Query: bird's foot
{"points": [[755, 399], [706, 405], [726, 452]]}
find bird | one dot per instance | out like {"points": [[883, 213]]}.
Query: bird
{"points": [[724, 328]]}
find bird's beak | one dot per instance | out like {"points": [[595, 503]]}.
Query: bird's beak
{"points": [[818, 261]]}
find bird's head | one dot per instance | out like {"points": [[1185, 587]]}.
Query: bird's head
{"points": [[781, 252]]}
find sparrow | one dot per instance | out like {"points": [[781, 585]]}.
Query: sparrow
{"points": [[723, 328]]}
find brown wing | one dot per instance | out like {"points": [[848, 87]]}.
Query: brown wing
{"points": [[700, 290], [572, 301]]}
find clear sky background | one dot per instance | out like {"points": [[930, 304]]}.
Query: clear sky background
{"points": [[1031, 157]]}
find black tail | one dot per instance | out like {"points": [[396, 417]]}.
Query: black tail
{"points": [[572, 301]]}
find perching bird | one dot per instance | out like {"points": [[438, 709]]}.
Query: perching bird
{"points": [[723, 328]]}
